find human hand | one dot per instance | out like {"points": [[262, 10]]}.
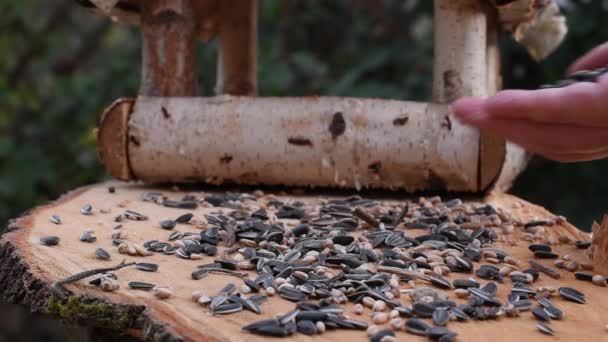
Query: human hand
{"points": [[567, 124]]}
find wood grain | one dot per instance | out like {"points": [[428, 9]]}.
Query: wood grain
{"points": [[27, 268]]}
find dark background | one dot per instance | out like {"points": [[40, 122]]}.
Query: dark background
{"points": [[60, 66]]}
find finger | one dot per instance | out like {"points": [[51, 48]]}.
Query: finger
{"points": [[597, 57], [567, 157], [551, 137], [581, 104], [575, 157]]}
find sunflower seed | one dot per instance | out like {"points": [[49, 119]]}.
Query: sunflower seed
{"points": [[541, 314], [540, 248], [417, 327], [269, 327], [167, 224], [225, 309], [583, 276], [49, 240], [86, 210], [145, 266], [572, 295], [441, 317], [545, 328], [306, 327], [88, 236], [134, 216], [137, 285], [545, 255], [56, 219], [102, 254], [185, 218]]}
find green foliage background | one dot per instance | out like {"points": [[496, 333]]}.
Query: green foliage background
{"points": [[60, 66]]}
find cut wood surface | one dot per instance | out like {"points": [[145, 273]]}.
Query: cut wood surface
{"points": [[27, 268]]}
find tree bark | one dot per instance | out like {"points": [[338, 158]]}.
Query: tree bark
{"points": [[168, 48], [238, 40]]}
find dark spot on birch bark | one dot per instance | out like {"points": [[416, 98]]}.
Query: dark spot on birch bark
{"points": [[134, 140], [299, 141], [452, 84], [166, 114], [447, 123], [375, 167], [225, 159], [337, 127], [401, 121], [436, 182]]}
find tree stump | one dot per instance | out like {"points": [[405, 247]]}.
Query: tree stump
{"points": [[28, 269]]}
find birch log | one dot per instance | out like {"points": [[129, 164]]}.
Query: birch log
{"points": [[460, 69], [168, 48], [316, 141], [492, 150], [238, 39]]}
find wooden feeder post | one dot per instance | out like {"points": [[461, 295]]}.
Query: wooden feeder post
{"points": [[169, 48], [467, 63], [238, 41]]}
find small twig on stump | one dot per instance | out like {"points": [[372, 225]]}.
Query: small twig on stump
{"points": [[402, 214], [56, 288]]}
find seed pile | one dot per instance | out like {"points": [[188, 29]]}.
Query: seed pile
{"points": [[579, 76], [391, 261]]}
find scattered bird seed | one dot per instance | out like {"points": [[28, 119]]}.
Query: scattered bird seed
{"points": [[545, 328], [137, 285], [102, 254], [167, 224], [572, 295], [56, 219], [161, 292], [145, 266], [49, 240], [86, 210], [88, 236]]}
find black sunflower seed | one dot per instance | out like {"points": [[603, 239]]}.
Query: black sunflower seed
{"points": [[102, 254], [441, 317], [87, 209], [583, 276], [56, 219], [417, 327], [228, 308], [583, 244], [464, 283], [50, 240], [88, 236], [137, 285], [536, 247], [380, 335], [541, 314], [306, 327], [185, 218], [441, 282], [145, 266], [167, 224], [423, 310], [545, 328], [545, 255], [572, 295], [269, 327], [435, 333]]}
